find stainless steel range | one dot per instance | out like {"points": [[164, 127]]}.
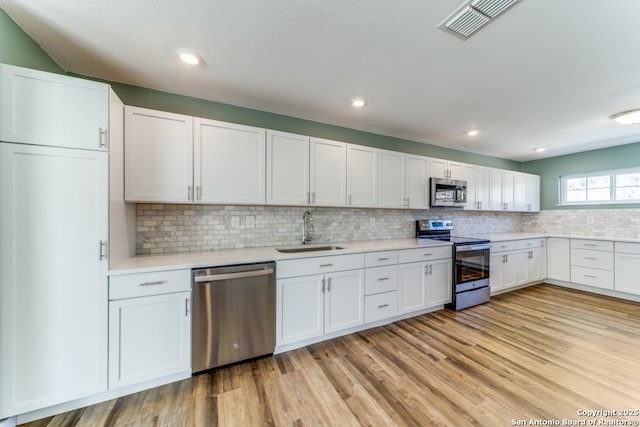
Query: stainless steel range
{"points": [[470, 262]]}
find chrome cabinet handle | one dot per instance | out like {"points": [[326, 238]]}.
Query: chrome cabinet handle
{"points": [[383, 305], [102, 138], [198, 192], [591, 245], [590, 258], [590, 276], [428, 254], [382, 279], [308, 197], [154, 283], [329, 285], [322, 288], [408, 201], [102, 250], [186, 307], [326, 265], [530, 255], [189, 193], [313, 198], [350, 200], [383, 259]]}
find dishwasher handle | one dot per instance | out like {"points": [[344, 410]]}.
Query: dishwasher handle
{"points": [[228, 276]]}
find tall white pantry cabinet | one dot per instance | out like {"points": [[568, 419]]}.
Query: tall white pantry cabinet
{"points": [[53, 239]]}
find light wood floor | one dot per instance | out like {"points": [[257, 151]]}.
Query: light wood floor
{"points": [[542, 352]]}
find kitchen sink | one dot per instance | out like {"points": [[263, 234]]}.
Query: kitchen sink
{"points": [[296, 249]]}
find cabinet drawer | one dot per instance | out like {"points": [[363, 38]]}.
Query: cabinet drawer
{"points": [[628, 248], [530, 243], [146, 284], [592, 277], [510, 245], [424, 254], [376, 259], [380, 306], [380, 279], [595, 245], [592, 259], [318, 265]]}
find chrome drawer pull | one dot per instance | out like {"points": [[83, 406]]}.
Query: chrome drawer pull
{"points": [[326, 265], [383, 305], [591, 258], [383, 259], [383, 278], [590, 244], [590, 276], [428, 254], [157, 282]]}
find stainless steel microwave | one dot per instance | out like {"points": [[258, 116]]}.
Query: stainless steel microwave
{"points": [[448, 193]]}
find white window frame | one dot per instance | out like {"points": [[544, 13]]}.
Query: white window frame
{"points": [[562, 188]]}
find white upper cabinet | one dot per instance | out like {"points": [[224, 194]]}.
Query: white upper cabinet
{"points": [[287, 169], [533, 193], [328, 172], [158, 156], [362, 164], [391, 184], [526, 192], [52, 109], [502, 187], [507, 190], [440, 168], [229, 163], [416, 182], [478, 187]]}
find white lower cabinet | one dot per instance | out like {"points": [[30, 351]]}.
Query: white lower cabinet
{"points": [[558, 259], [149, 327], [425, 284], [325, 302], [627, 262], [517, 262], [592, 263], [503, 271]]}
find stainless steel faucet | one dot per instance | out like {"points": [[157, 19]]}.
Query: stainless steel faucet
{"points": [[307, 227]]}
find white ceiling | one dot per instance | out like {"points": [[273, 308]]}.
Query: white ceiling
{"points": [[546, 73]]}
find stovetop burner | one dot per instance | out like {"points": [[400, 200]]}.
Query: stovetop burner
{"points": [[440, 229]]}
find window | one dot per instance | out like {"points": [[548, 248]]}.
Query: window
{"points": [[618, 186]]}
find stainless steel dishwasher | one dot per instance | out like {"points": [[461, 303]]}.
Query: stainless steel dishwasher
{"points": [[234, 314]]}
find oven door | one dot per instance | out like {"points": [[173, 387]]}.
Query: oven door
{"points": [[471, 269]]}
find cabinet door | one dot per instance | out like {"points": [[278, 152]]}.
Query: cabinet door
{"points": [[522, 259], [53, 282], [413, 295], [416, 181], [558, 259], [507, 190], [456, 170], [534, 264], [520, 202], [626, 273], [509, 271], [438, 168], [229, 163], [483, 188], [287, 169], [471, 177], [344, 300], [533, 193], [149, 338], [391, 186], [362, 177], [51, 109], [158, 156], [439, 282], [496, 266], [328, 172], [300, 308], [495, 194]]}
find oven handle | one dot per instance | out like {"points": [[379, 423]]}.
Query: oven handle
{"points": [[467, 248]]}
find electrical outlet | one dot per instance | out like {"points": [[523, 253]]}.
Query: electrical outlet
{"points": [[250, 221], [372, 221], [235, 222], [591, 220]]}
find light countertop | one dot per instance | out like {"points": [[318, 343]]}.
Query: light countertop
{"points": [[148, 263]]}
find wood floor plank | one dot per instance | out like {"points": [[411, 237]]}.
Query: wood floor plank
{"points": [[542, 352]]}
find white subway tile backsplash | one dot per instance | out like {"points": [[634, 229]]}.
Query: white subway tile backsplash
{"points": [[622, 223], [184, 228]]}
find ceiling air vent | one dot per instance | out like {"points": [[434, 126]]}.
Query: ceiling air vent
{"points": [[473, 15], [467, 22], [492, 8]]}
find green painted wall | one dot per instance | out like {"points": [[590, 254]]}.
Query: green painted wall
{"points": [[620, 157], [17, 48]]}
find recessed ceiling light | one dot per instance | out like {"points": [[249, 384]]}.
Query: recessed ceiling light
{"points": [[627, 117], [358, 102], [473, 132], [539, 150], [189, 57]]}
